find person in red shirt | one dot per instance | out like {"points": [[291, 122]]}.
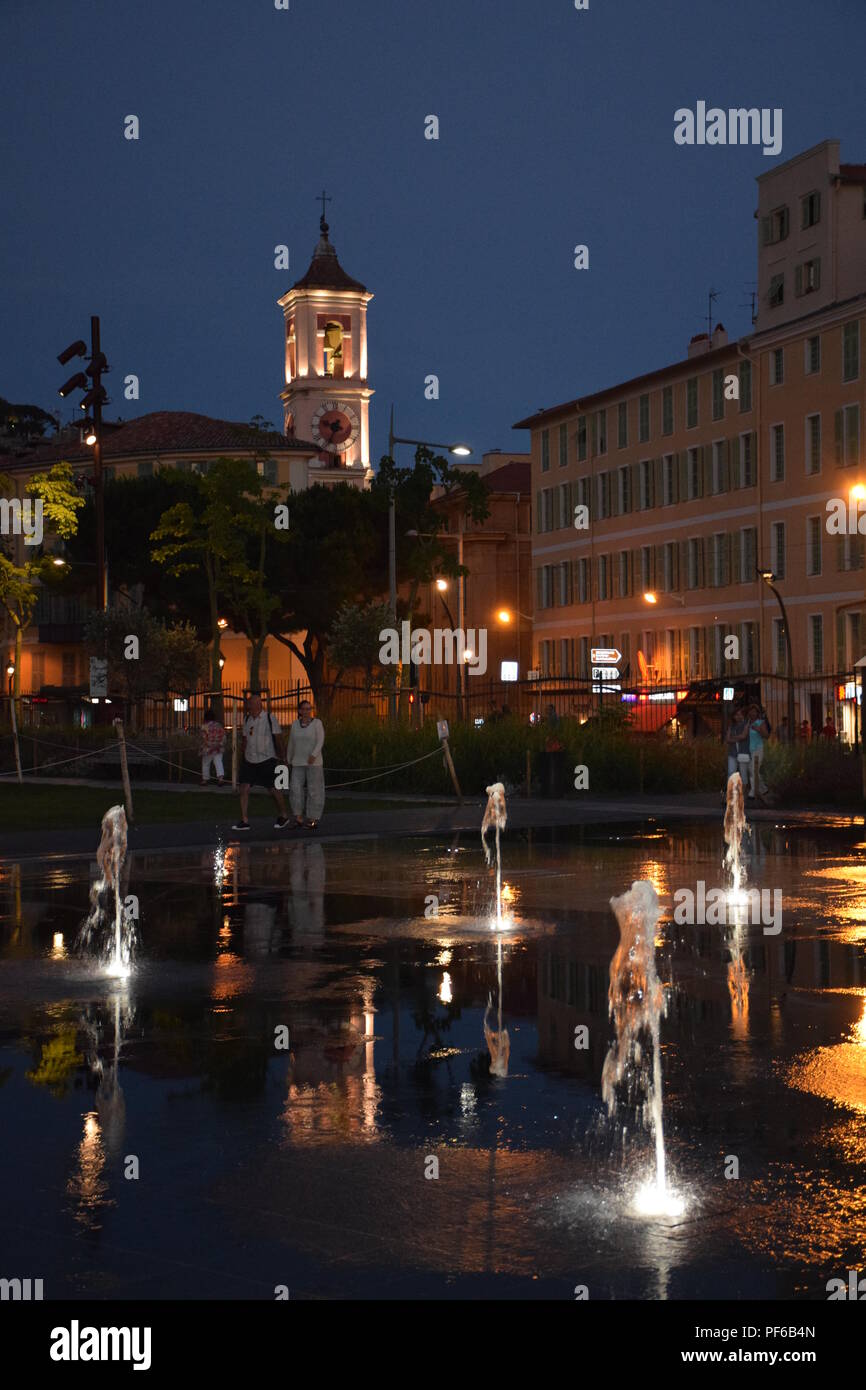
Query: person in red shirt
{"points": [[829, 729]]}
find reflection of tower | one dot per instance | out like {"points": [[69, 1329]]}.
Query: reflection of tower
{"points": [[326, 398]]}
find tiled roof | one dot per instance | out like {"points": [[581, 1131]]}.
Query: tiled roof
{"points": [[853, 173], [511, 477], [166, 432]]}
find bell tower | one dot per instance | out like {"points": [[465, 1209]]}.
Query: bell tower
{"points": [[326, 399]]}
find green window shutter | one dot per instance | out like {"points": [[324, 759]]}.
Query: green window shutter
{"points": [[681, 550], [754, 453], [702, 564], [840, 553], [613, 482], [726, 560], [838, 435], [735, 557], [840, 641], [658, 482], [852, 433], [706, 470], [798, 280], [635, 487], [734, 463], [682, 475]]}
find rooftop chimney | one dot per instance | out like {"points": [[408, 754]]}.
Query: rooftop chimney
{"points": [[699, 343], [720, 336]]}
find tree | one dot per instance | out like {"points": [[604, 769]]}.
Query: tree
{"points": [[334, 556], [214, 535], [20, 584], [354, 642], [164, 658]]}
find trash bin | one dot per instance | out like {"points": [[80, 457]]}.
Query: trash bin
{"points": [[553, 772]]}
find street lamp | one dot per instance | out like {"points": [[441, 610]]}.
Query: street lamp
{"points": [[768, 576], [90, 381], [461, 450], [651, 597]]}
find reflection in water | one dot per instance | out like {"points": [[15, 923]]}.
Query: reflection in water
{"points": [[386, 1010]]}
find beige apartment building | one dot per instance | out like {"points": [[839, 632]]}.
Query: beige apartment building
{"points": [[697, 477]]}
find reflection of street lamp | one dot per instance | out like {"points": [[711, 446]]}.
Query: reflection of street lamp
{"points": [[768, 577]]}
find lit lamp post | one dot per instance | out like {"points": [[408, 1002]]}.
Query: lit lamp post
{"points": [[90, 381], [462, 450], [768, 577], [652, 598], [504, 617], [442, 587]]}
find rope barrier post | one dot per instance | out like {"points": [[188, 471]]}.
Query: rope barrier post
{"points": [[15, 737], [124, 770], [442, 731]]}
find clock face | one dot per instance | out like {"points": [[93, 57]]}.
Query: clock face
{"points": [[335, 426]]}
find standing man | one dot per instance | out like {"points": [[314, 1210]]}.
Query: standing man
{"points": [[262, 746], [759, 730], [306, 740], [737, 740]]}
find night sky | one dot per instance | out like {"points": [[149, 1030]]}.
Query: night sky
{"points": [[556, 127]]}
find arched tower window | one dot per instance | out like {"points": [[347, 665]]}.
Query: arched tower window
{"points": [[333, 344]]}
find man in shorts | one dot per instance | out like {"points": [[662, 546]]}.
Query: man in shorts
{"points": [[259, 761]]}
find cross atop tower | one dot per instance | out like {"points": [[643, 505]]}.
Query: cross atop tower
{"points": [[325, 199]]}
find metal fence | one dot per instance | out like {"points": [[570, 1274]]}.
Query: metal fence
{"points": [[829, 701]]}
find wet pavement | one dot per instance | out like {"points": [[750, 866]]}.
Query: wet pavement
{"points": [[159, 1141]]}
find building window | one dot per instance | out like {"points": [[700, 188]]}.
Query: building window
{"points": [[776, 294], [810, 208], [777, 453], [603, 485], [747, 461], [668, 410], [625, 489], [669, 480], [693, 563], [847, 435], [775, 226], [778, 548], [695, 478], [813, 355], [583, 493], [814, 537], [691, 402], [777, 367], [645, 474], [603, 576], [668, 567], [807, 277], [851, 351], [584, 656], [144, 469], [813, 444], [564, 518], [564, 587], [748, 554], [545, 450], [749, 647], [719, 394], [816, 641], [644, 419], [581, 439], [563, 445], [720, 559], [583, 581], [745, 372], [622, 425], [719, 466], [624, 584], [600, 428], [267, 470], [646, 569]]}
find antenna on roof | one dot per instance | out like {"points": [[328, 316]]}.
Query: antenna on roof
{"points": [[752, 293], [711, 298]]}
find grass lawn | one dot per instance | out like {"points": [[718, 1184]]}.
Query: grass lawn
{"points": [[69, 808]]}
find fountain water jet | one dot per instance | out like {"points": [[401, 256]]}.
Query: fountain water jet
{"points": [[636, 1004], [735, 829], [495, 815], [111, 932]]}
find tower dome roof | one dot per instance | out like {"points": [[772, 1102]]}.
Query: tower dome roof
{"points": [[325, 272]]}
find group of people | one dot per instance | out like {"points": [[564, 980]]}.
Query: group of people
{"points": [[264, 748], [747, 732]]}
